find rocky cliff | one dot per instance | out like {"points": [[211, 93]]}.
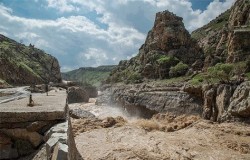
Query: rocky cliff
{"points": [[217, 102], [168, 51], [215, 90], [226, 38], [22, 64]]}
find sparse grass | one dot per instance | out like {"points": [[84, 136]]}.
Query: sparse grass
{"points": [[248, 75], [216, 24], [24, 66], [197, 79], [32, 61], [176, 80]]}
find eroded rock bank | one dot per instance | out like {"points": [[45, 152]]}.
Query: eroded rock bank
{"points": [[217, 102]]}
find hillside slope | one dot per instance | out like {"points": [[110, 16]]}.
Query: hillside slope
{"points": [[226, 38], [91, 75], [23, 65]]}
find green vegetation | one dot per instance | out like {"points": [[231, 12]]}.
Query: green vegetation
{"points": [[202, 78], [221, 71], [25, 67], [134, 78], [178, 70], [93, 76], [248, 75], [24, 60], [197, 79], [214, 25], [166, 60]]}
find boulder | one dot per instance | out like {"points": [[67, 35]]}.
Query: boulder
{"points": [[57, 134], [240, 102], [224, 93], [58, 128], [8, 152], [77, 95], [5, 140], [60, 152], [23, 147], [33, 137], [209, 103], [79, 113], [36, 126], [54, 139]]}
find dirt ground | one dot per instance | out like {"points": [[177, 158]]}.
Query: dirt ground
{"points": [[162, 137]]}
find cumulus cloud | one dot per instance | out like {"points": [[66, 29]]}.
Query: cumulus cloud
{"points": [[77, 36], [62, 5], [95, 55]]}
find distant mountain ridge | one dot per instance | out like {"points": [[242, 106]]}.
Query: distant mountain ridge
{"points": [[26, 65], [91, 75]]}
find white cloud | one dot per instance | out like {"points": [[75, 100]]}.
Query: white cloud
{"points": [[78, 40], [62, 5], [95, 55]]}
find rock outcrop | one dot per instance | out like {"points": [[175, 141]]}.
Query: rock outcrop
{"points": [[77, 95], [79, 114], [144, 100], [168, 49], [216, 102], [226, 38], [26, 65], [240, 101]]}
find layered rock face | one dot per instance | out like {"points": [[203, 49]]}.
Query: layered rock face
{"points": [[144, 100], [226, 39], [166, 45], [22, 64], [217, 102]]}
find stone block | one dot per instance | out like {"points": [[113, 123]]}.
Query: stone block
{"points": [[60, 152]]}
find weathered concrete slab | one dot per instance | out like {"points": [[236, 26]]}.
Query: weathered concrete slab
{"points": [[48, 108]]}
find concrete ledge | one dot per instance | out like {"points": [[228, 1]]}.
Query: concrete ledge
{"points": [[52, 107]]}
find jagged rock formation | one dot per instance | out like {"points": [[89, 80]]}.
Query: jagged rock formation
{"points": [[22, 64], [169, 51], [167, 45], [226, 38]]}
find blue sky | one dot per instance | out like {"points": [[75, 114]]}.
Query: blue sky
{"points": [[96, 32]]}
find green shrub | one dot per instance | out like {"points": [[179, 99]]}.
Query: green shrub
{"points": [[134, 78], [248, 75], [178, 70], [197, 79], [221, 71], [165, 60]]}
